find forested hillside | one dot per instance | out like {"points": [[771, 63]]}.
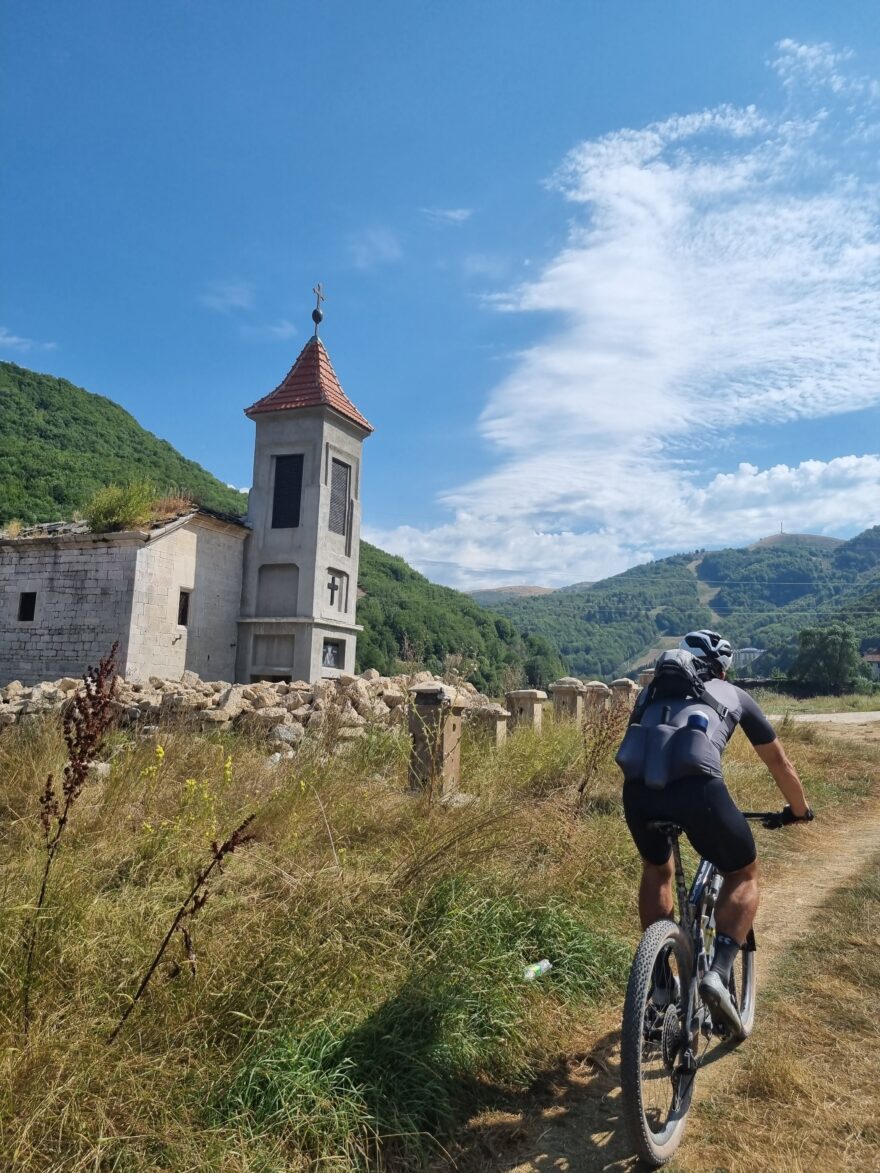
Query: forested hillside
{"points": [[59, 443], [598, 629], [761, 596], [408, 618], [765, 595]]}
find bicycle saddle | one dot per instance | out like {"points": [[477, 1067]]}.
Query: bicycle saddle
{"points": [[666, 828]]}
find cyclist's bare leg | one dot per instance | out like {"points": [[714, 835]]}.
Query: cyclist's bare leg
{"points": [[738, 903], [656, 901]]}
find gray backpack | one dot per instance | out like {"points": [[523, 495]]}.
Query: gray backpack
{"points": [[675, 731]]}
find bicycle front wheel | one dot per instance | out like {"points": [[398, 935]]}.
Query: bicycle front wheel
{"points": [[656, 1090]]}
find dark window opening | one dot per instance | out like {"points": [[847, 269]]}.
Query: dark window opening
{"points": [[287, 492], [339, 496], [332, 654], [183, 609], [27, 605]]}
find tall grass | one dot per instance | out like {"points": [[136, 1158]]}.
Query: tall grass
{"points": [[359, 979]]}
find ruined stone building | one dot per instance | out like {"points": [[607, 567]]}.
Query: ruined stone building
{"points": [[270, 596]]}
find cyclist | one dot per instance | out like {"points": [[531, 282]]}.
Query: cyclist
{"points": [[698, 800]]}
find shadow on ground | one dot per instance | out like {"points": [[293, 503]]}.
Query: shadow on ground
{"points": [[568, 1120]]}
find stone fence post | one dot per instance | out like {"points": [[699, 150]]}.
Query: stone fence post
{"points": [[623, 694], [646, 677], [492, 718], [568, 699], [526, 707], [596, 698], [435, 715]]}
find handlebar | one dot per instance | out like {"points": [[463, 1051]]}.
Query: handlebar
{"points": [[773, 820]]}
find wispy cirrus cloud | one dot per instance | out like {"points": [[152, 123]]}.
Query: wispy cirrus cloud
{"points": [[440, 217], [278, 331], [227, 296], [374, 246], [820, 66], [721, 271], [10, 341]]}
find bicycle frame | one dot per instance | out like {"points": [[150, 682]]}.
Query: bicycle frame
{"points": [[691, 904]]}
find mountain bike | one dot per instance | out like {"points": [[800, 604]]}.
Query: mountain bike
{"points": [[666, 1026]]}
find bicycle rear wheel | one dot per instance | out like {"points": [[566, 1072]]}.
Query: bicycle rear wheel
{"points": [[656, 1091]]}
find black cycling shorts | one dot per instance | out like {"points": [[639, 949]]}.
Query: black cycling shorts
{"points": [[713, 823]]}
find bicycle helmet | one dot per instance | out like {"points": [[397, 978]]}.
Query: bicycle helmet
{"points": [[709, 647]]}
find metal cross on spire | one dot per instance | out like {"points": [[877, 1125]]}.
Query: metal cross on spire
{"points": [[317, 312]]}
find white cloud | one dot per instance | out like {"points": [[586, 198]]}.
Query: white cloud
{"points": [[374, 246], [485, 266], [279, 331], [225, 296], [10, 341], [722, 270], [441, 216]]}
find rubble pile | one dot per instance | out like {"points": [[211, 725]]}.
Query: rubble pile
{"points": [[341, 708]]}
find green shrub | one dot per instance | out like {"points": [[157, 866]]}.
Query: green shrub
{"points": [[120, 507]]}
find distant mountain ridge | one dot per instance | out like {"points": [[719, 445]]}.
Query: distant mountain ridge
{"points": [[759, 596], [489, 596]]}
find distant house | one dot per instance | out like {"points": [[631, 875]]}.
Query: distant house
{"points": [[742, 657], [872, 659], [269, 596]]}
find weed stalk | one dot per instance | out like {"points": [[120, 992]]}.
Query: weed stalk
{"points": [[194, 901], [86, 722]]}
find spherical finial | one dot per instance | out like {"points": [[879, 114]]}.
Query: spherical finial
{"points": [[317, 312]]}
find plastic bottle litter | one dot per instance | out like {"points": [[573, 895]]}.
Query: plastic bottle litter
{"points": [[537, 970]]}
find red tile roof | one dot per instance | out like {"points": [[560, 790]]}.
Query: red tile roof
{"points": [[310, 382]]}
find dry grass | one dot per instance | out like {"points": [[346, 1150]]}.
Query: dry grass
{"points": [[807, 1094], [357, 968], [850, 702]]}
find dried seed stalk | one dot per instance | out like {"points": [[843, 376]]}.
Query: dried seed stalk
{"points": [[86, 723], [194, 901]]}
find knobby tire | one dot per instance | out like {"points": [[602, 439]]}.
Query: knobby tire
{"points": [[655, 1133]]}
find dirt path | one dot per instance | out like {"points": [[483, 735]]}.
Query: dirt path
{"points": [[570, 1120], [849, 726]]}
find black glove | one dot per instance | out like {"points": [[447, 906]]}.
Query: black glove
{"points": [[786, 817]]}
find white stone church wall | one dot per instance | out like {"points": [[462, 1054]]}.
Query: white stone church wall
{"points": [[82, 606], [207, 563], [216, 603]]}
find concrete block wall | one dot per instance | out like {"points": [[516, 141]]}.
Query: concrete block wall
{"points": [[83, 605], [207, 562], [157, 645], [216, 601]]}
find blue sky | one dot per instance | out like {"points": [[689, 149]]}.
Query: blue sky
{"points": [[604, 276]]}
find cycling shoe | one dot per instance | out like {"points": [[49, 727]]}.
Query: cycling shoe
{"points": [[717, 997]]}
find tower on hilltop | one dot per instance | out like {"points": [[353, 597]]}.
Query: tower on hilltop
{"points": [[299, 589]]}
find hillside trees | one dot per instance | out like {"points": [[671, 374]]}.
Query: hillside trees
{"points": [[59, 444], [408, 619], [827, 657]]}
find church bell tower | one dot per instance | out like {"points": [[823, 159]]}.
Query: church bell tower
{"points": [[299, 589]]}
